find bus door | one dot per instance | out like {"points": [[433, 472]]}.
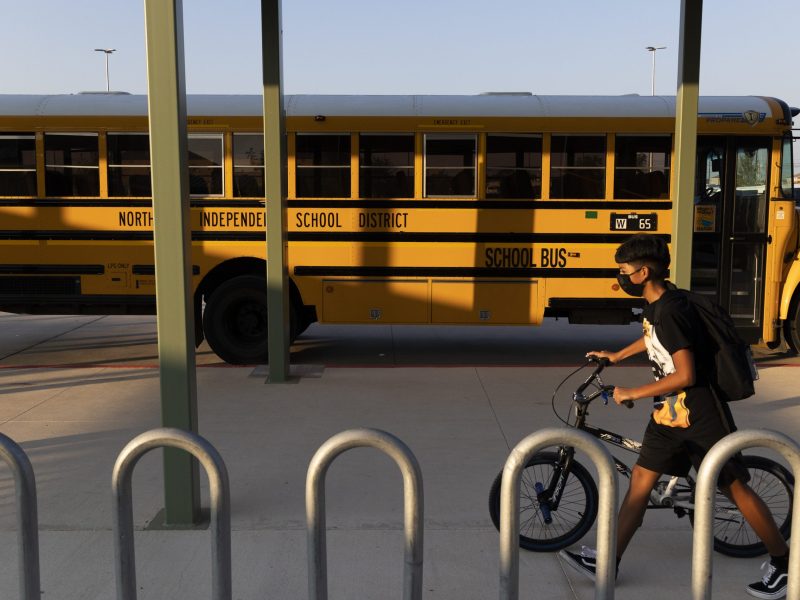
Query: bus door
{"points": [[730, 226]]}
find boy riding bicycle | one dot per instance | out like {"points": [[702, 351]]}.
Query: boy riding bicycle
{"points": [[687, 418]]}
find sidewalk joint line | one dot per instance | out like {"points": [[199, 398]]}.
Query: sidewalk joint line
{"points": [[50, 339], [491, 407]]}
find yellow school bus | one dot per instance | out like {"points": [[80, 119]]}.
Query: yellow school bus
{"points": [[481, 210]]}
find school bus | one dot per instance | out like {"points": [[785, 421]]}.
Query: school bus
{"points": [[487, 209]]}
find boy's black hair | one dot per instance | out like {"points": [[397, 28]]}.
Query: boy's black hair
{"points": [[643, 249]]}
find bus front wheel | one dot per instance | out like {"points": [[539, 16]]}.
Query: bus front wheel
{"points": [[791, 327], [235, 321]]}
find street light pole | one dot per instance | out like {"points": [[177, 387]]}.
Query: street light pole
{"points": [[653, 70], [107, 51]]}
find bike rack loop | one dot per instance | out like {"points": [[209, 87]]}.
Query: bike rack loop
{"points": [[606, 516], [315, 507], [705, 500], [125, 560], [27, 520]]}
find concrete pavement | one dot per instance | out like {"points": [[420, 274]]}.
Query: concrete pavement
{"points": [[75, 390]]}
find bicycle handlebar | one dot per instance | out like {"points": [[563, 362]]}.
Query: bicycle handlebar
{"points": [[602, 363]]}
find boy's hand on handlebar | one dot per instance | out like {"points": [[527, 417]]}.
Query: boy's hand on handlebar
{"points": [[623, 395], [611, 356]]}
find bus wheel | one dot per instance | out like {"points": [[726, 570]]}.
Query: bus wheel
{"points": [[235, 320], [791, 327]]}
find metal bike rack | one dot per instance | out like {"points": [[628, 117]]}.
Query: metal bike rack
{"points": [[27, 520], [208, 456], [606, 517], [315, 507], [705, 500]]}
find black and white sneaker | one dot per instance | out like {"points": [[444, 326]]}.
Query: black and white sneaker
{"points": [[773, 584], [585, 562]]}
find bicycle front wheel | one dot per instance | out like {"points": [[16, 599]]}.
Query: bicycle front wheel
{"points": [[574, 516], [770, 481]]}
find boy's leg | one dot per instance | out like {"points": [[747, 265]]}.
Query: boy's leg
{"points": [[758, 517], [631, 513], [630, 518], [776, 576]]}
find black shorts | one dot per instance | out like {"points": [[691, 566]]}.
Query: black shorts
{"points": [[674, 451]]}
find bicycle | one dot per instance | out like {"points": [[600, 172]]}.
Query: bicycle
{"points": [[558, 496]]}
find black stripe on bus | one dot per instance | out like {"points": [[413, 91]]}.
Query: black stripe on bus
{"points": [[395, 236], [151, 270], [504, 204], [9, 269], [368, 204], [326, 271], [71, 234], [334, 236], [70, 202], [126, 203]]}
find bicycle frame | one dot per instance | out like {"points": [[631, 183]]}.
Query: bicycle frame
{"points": [[666, 494]]}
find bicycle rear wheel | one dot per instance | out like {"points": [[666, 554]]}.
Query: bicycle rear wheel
{"points": [[775, 486], [575, 514]]}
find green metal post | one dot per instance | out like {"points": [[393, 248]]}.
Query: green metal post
{"points": [[172, 235], [686, 141], [275, 159]]}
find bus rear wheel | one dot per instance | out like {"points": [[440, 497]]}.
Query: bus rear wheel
{"points": [[235, 321]]}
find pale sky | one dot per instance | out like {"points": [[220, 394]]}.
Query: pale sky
{"points": [[410, 46]]}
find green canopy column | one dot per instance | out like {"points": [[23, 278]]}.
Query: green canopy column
{"points": [[686, 141], [172, 236], [275, 151]]}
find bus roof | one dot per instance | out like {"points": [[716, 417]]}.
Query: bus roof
{"points": [[485, 105]]}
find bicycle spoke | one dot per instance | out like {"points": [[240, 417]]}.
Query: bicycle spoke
{"points": [[570, 509]]}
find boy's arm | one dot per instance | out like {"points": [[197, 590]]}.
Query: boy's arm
{"points": [[628, 351], [682, 378]]}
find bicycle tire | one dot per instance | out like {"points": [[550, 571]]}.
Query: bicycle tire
{"points": [[575, 515], [775, 485]]}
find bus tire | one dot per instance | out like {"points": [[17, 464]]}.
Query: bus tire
{"points": [[791, 327], [235, 320]]}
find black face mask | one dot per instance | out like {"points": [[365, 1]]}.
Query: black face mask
{"points": [[630, 288]]}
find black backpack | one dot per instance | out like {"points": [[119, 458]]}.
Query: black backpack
{"points": [[734, 370]]}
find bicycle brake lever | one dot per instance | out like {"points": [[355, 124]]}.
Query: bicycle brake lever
{"points": [[610, 389]]}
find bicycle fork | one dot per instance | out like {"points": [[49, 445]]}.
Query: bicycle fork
{"points": [[550, 497]]}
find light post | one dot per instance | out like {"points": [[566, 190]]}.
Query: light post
{"points": [[107, 51], [653, 70]]}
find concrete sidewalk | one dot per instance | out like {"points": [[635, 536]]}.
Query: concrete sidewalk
{"points": [[459, 420]]}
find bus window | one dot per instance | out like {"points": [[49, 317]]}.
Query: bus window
{"points": [[641, 167], [450, 165], [322, 165], [18, 164], [513, 166], [71, 164], [386, 165], [750, 200], [578, 166], [248, 165], [128, 164], [205, 164], [786, 168]]}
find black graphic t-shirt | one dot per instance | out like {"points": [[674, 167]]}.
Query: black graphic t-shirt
{"points": [[671, 324]]}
